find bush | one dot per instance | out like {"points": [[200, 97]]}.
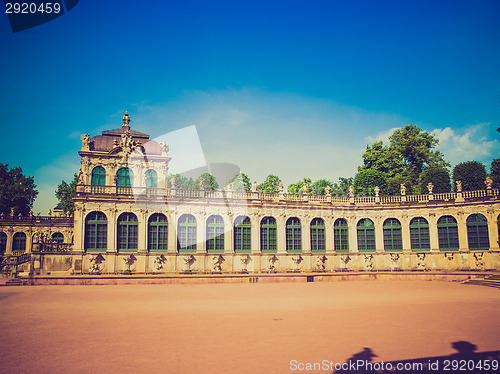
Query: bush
{"points": [[472, 174], [366, 180], [439, 177]]}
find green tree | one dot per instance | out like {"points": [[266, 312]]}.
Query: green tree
{"points": [[342, 187], [495, 172], [366, 180], [241, 183], [439, 177], [319, 187], [16, 190], [270, 185], [182, 182], [409, 153], [472, 174], [209, 183], [65, 193], [296, 188]]}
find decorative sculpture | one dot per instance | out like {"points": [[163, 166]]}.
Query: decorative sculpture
{"points": [[459, 186], [254, 187], [430, 187], [129, 261], [305, 188], [217, 263], [296, 260], [320, 262], [377, 191], [85, 138], [488, 182], [245, 260], [368, 262], [403, 189], [159, 262], [201, 182], [188, 262], [95, 261], [328, 190], [271, 263], [280, 187], [421, 261], [351, 191], [479, 260], [173, 182]]}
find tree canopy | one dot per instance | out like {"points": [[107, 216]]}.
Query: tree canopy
{"points": [[472, 174], [241, 183], [270, 185], [495, 172], [365, 182], [297, 188], [439, 177], [16, 190], [65, 193]]}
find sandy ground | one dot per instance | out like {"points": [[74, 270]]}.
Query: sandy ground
{"points": [[237, 328]]}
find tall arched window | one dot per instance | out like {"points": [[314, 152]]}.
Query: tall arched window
{"points": [[57, 237], [186, 234], [268, 235], [419, 234], [98, 176], [19, 243], [157, 233], [293, 235], [127, 232], [393, 241], [318, 235], [341, 235], [477, 232], [3, 243], [125, 177], [242, 235], [96, 232], [215, 234], [151, 179], [366, 235], [448, 234]]}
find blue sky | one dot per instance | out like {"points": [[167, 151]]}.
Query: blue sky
{"points": [[293, 88]]}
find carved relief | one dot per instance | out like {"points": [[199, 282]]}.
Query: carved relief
{"points": [[479, 260], [271, 263], [296, 261], [159, 262], [129, 261], [421, 261], [368, 262], [217, 263], [321, 262], [95, 263], [245, 260], [188, 262]]}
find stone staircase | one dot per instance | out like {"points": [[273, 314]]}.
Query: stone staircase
{"points": [[485, 280]]}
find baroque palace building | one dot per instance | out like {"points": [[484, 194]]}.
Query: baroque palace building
{"points": [[128, 221]]}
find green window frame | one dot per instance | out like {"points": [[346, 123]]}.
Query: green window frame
{"points": [[341, 235], [268, 238], [98, 176], [3, 243], [419, 234], [96, 232], [151, 179], [393, 240], [242, 235], [125, 177], [57, 237], [157, 233], [186, 234], [448, 234], [366, 235], [293, 235], [127, 232], [19, 242], [318, 235], [477, 232], [215, 234]]}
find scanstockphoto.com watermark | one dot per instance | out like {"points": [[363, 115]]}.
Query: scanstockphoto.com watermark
{"points": [[365, 366]]}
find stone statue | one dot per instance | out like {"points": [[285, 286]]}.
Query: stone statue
{"points": [[245, 260], [229, 185], [188, 262], [280, 187], [351, 191], [94, 263], [403, 189], [421, 260], [159, 262], [50, 213], [81, 178], [377, 191], [12, 212], [85, 138], [459, 186], [320, 262], [488, 182], [479, 261], [254, 187], [173, 182], [164, 147], [368, 262], [297, 259], [271, 263], [328, 190], [201, 182], [217, 263], [305, 188], [430, 187]]}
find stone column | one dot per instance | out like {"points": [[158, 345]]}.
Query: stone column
{"points": [[433, 232], [353, 234], [493, 231], [379, 234], [10, 241], [112, 231], [462, 232], [306, 234], [79, 231], [405, 233], [329, 235], [281, 233], [142, 232], [228, 235], [255, 232], [172, 234], [201, 228]]}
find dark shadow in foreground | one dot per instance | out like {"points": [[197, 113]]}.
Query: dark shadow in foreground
{"points": [[465, 360]]}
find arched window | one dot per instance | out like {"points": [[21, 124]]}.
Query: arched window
{"points": [[366, 235], [186, 234], [151, 179], [57, 237], [3, 243], [98, 176], [318, 235], [268, 235], [419, 234], [157, 233], [96, 232], [448, 234], [215, 234], [127, 232], [477, 232], [125, 177], [393, 241], [340, 232], [242, 235], [293, 235], [19, 244]]}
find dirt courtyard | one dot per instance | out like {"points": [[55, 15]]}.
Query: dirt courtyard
{"points": [[238, 328]]}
